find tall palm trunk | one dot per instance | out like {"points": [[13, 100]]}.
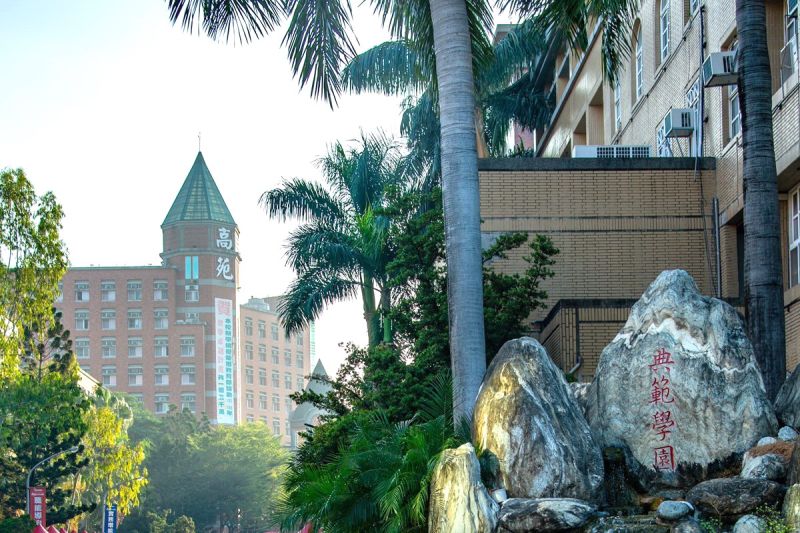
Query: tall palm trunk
{"points": [[461, 200], [762, 252], [371, 316]]}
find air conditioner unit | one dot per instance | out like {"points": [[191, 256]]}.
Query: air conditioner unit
{"points": [[613, 151], [720, 69], [679, 122]]}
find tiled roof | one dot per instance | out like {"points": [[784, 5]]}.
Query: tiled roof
{"points": [[199, 198]]}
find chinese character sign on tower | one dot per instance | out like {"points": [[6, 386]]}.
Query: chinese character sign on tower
{"points": [[223, 318]]}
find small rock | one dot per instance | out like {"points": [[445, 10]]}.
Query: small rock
{"points": [[791, 507], [734, 496], [786, 433], [626, 524], [750, 524], [766, 440], [673, 511], [521, 515], [768, 466], [687, 525]]}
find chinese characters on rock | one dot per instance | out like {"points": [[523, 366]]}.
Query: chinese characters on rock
{"points": [[662, 424]]}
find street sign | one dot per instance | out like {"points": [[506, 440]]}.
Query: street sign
{"points": [[38, 510], [110, 518]]}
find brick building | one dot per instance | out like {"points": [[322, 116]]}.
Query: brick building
{"points": [[174, 334], [659, 201]]}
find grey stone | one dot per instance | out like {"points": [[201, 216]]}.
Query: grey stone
{"points": [[763, 441], [750, 524], [672, 511], [627, 524], [734, 496], [526, 416], [786, 433], [791, 507], [793, 473], [767, 466], [787, 402], [687, 525], [521, 515], [459, 501], [579, 390], [705, 381]]}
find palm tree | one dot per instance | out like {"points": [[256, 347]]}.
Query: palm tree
{"points": [[342, 248]]}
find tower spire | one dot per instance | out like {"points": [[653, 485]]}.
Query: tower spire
{"points": [[198, 142]]}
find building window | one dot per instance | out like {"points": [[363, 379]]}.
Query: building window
{"points": [[299, 360], [135, 375], [249, 399], [287, 357], [262, 329], [161, 319], [639, 70], [161, 346], [617, 106], [109, 376], [160, 290], [81, 291], [276, 427], [162, 403], [135, 346], [108, 319], [287, 403], [188, 402], [276, 403], [108, 291], [794, 238], [287, 381], [248, 327], [82, 348], [262, 400], [192, 293], [248, 351], [187, 346], [262, 353], [734, 115], [663, 25], [192, 317], [262, 376], [81, 320], [248, 375], [191, 267], [300, 383], [134, 291], [250, 419], [300, 340], [60, 296], [161, 375], [109, 347], [275, 356], [274, 332], [276, 379], [134, 319], [187, 375]]}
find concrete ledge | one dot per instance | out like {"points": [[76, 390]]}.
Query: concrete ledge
{"points": [[560, 164]]}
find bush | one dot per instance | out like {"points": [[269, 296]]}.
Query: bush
{"points": [[22, 524]]}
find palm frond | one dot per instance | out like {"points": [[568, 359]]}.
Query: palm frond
{"points": [[245, 20], [390, 68], [308, 295], [305, 200], [320, 41], [318, 244]]}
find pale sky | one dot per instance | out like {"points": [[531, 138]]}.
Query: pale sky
{"points": [[101, 103]]}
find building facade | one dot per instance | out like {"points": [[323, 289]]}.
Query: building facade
{"points": [[619, 217], [174, 334]]}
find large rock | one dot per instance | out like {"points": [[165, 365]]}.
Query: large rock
{"points": [[791, 507], [734, 496], [520, 515], [679, 386], [787, 402], [459, 501], [768, 466], [750, 523], [526, 415]]}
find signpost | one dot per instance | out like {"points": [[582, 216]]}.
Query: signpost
{"points": [[110, 518], [38, 505]]}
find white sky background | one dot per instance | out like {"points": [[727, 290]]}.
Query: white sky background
{"points": [[101, 102]]}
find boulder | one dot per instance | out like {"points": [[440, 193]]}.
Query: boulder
{"points": [[579, 390], [679, 386], [521, 515], [687, 525], [527, 417], [787, 402], [627, 524], [459, 501], [750, 524], [768, 466], [672, 511], [763, 441], [787, 434], [791, 507], [734, 496]]}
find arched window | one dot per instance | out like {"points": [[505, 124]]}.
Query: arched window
{"points": [[638, 62], [663, 27]]}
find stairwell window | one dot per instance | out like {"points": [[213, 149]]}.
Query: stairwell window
{"points": [[639, 64], [794, 238], [663, 27]]}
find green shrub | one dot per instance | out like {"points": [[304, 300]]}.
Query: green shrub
{"points": [[22, 524]]}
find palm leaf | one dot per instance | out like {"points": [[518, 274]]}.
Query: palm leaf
{"points": [[305, 200], [245, 20], [390, 68], [308, 295]]}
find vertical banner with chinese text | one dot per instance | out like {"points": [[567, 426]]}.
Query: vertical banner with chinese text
{"points": [[110, 518], [38, 510], [223, 317]]}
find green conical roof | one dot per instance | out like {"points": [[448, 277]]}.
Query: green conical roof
{"points": [[199, 198]]}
